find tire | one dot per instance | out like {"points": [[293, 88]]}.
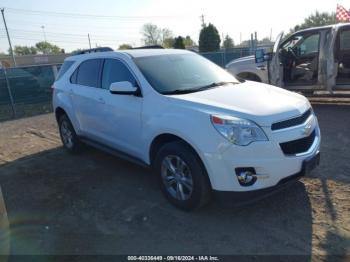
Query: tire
{"points": [[182, 176], [68, 136]]}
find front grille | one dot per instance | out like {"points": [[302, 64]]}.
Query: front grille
{"points": [[298, 146], [291, 122]]}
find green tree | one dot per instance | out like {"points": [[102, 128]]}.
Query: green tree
{"points": [[168, 42], [316, 19], [24, 50], [125, 47], [188, 41], [228, 42], [209, 39], [179, 43], [265, 41], [153, 35], [48, 48]]}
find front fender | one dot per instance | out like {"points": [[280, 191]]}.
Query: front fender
{"points": [[248, 65], [191, 125]]}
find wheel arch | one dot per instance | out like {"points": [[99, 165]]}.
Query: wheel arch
{"points": [[165, 138], [249, 76], [59, 111]]}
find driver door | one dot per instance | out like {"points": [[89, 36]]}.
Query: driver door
{"points": [[275, 67], [119, 115]]}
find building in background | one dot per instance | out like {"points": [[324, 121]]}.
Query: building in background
{"points": [[30, 60]]}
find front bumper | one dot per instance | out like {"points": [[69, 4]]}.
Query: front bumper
{"points": [[270, 163], [230, 198]]}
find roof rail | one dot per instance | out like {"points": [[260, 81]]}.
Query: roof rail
{"points": [[149, 47], [92, 50]]}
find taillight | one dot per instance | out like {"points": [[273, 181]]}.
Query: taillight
{"points": [[52, 89]]}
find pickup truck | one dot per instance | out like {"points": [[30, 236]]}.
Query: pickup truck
{"points": [[308, 60]]}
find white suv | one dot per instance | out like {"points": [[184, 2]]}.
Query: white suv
{"points": [[203, 132]]}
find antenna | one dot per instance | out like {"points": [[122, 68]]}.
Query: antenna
{"points": [[203, 21]]}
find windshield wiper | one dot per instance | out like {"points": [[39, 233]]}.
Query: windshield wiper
{"points": [[198, 89], [180, 91], [213, 85]]}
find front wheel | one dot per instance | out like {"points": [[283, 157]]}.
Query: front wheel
{"points": [[182, 176]]}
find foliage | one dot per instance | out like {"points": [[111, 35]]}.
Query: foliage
{"points": [[125, 47], [179, 43], [24, 50], [168, 42], [265, 41], [228, 42], [209, 39], [48, 48], [316, 19], [153, 35], [188, 41]]}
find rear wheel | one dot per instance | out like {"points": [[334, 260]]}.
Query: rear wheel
{"points": [[69, 138], [182, 176]]}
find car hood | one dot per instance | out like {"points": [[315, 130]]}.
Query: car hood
{"points": [[242, 60], [261, 103]]}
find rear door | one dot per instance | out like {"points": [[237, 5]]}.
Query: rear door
{"points": [[85, 80]]}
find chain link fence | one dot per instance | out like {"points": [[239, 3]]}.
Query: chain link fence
{"points": [[222, 58], [26, 91]]}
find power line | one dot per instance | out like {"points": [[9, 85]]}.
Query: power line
{"points": [[79, 15], [54, 33]]}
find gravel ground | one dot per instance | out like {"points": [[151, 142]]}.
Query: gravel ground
{"points": [[94, 203]]}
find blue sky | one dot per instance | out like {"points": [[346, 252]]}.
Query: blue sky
{"points": [[180, 16]]}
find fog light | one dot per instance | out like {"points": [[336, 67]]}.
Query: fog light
{"points": [[246, 176]]}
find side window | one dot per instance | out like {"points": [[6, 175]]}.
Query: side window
{"points": [[115, 71], [73, 78], [64, 68], [89, 73], [345, 40], [310, 44]]}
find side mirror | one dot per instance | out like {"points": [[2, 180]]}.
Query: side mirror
{"points": [[123, 88], [261, 56]]}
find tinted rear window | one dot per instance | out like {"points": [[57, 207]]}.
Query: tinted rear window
{"points": [[89, 73], [64, 68]]}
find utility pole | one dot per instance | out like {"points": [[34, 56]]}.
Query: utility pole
{"points": [[203, 22], [89, 40], [271, 35], [8, 37], [43, 28], [255, 40]]}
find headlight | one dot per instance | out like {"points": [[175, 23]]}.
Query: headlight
{"points": [[239, 131]]}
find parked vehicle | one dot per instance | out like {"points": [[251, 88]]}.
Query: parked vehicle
{"points": [[203, 132], [308, 60]]}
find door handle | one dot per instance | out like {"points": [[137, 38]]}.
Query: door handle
{"points": [[101, 100]]}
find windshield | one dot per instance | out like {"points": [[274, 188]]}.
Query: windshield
{"points": [[182, 72]]}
